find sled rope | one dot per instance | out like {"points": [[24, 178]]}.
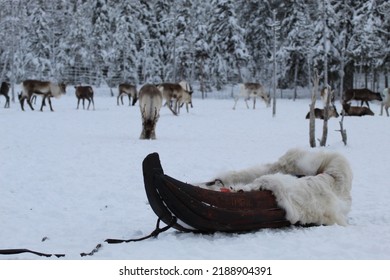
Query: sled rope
{"points": [[96, 249], [154, 233], [20, 251]]}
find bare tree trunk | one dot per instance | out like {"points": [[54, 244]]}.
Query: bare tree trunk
{"points": [[274, 65], [366, 77], [202, 87], [326, 117], [348, 77], [312, 122], [342, 130], [296, 77], [326, 108], [342, 67]]}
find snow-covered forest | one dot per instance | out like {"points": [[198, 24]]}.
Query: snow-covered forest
{"points": [[215, 43]]}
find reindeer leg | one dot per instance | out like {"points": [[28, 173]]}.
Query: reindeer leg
{"points": [[135, 98], [90, 100], [177, 105], [93, 103], [51, 108], [170, 108], [246, 102], [143, 132], [129, 100], [153, 133], [21, 101], [119, 98], [155, 119], [43, 103], [235, 102], [6, 102], [254, 102], [29, 103]]}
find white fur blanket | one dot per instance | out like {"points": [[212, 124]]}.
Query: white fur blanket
{"points": [[312, 187]]}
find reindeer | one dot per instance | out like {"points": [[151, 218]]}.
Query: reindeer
{"points": [[130, 91], [170, 92], [386, 101], [248, 90], [44, 88], [188, 88], [364, 95], [150, 103], [356, 110], [4, 89], [320, 114], [82, 93]]}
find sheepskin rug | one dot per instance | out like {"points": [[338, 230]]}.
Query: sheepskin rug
{"points": [[312, 186]]}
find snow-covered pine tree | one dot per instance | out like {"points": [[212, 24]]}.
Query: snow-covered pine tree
{"points": [[164, 27], [78, 44], [49, 37], [41, 39], [59, 14], [101, 38], [228, 49], [149, 44], [202, 50], [184, 41], [347, 11], [384, 12], [275, 30], [297, 34], [253, 17], [326, 48], [326, 24], [125, 43], [368, 40], [12, 46]]}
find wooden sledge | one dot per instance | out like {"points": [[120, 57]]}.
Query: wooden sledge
{"points": [[190, 208]]}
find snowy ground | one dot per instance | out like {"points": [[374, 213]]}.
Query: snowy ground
{"points": [[69, 179]]}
